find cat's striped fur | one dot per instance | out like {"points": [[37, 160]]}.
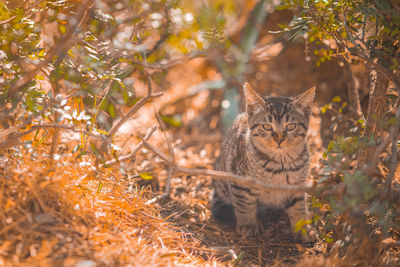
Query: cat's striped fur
{"points": [[268, 142]]}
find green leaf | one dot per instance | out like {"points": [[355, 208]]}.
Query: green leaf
{"points": [[238, 259], [101, 131], [299, 225], [172, 121], [325, 108], [41, 53], [119, 82], [336, 99], [99, 187], [125, 96], [4, 12], [330, 146], [328, 239], [94, 149], [111, 110], [62, 28], [146, 175]]}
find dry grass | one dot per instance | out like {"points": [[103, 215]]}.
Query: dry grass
{"points": [[78, 216]]}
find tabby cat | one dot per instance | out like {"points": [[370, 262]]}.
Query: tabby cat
{"points": [[268, 142]]}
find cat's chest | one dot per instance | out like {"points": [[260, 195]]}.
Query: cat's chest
{"points": [[281, 178], [282, 172], [285, 178]]}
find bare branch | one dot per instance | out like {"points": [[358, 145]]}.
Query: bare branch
{"points": [[13, 136], [170, 148], [221, 175], [131, 155], [171, 167], [158, 153], [170, 63], [132, 111], [108, 88], [150, 95], [54, 144], [148, 77], [7, 20]]}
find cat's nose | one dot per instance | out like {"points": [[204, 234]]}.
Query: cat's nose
{"points": [[279, 137]]}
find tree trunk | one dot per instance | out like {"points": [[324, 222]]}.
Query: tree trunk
{"points": [[377, 100]]}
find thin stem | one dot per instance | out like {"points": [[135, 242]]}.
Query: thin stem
{"points": [[169, 64], [132, 111], [131, 155]]}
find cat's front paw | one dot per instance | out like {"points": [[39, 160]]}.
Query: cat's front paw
{"points": [[249, 229]]}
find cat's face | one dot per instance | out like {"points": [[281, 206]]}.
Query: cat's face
{"points": [[278, 123]]}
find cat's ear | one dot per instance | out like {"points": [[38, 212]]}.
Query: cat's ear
{"points": [[305, 100], [254, 102]]}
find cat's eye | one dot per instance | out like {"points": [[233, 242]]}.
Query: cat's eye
{"points": [[290, 126], [267, 127]]}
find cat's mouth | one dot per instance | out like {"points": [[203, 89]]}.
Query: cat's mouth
{"points": [[279, 146]]}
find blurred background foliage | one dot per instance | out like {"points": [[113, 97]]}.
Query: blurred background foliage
{"points": [[107, 44]]}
